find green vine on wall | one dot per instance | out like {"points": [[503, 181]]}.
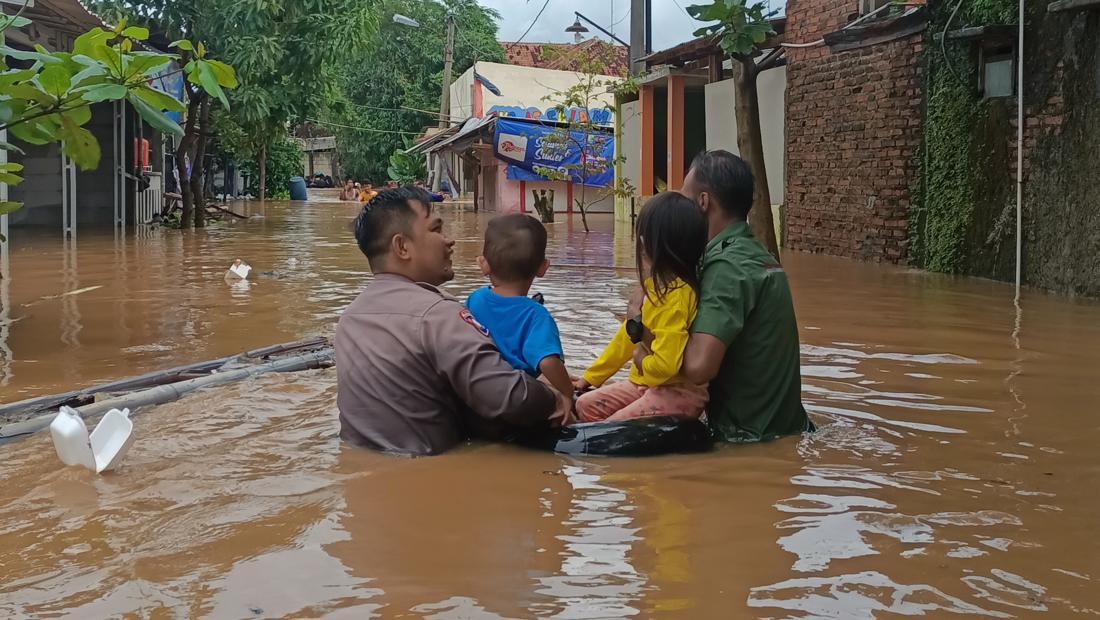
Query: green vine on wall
{"points": [[952, 181]]}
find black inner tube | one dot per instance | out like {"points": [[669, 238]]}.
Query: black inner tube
{"points": [[649, 436]]}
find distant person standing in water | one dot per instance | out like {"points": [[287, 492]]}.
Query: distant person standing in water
{"points": [[744, 341], [349, 193], [366, 192]]}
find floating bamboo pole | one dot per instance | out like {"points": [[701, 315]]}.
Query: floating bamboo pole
{"points": [[161, 394]]}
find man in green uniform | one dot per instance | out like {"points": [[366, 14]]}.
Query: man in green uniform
{"points": [[744, 341]]}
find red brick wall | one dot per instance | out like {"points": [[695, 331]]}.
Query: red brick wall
{"points": [[853, 132]]}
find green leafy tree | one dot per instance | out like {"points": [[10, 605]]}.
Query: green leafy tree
{"points": [[390, 89], [48, 101], [580, 134], [740, 29], [287, 53], [284, 160]]}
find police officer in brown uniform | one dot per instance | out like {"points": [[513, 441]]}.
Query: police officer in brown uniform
{"points": [[415, 371]]}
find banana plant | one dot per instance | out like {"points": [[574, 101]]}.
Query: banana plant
{"points": [[45, 96], [405, 167]]}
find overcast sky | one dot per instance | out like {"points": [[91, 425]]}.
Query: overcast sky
{"points": [[672, 24]]}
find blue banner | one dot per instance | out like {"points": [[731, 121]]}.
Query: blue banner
{"points": [[169, 80], [532, 147]]}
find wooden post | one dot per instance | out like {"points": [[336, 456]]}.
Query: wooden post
{"points": [[477, 100], [675, 131], [646, 181], [714, 67], [477, 184]]}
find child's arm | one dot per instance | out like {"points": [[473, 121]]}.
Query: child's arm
{"points": [[542, 350], [669, 321], [553, 368], [617, 353]]}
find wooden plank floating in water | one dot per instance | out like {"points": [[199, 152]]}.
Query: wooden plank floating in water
{"points": [[167, 385]]}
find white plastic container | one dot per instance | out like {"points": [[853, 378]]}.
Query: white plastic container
{"points": [[239, 270], [101, 451]]}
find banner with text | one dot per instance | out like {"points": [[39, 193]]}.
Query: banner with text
{"points": [[529, 147]]}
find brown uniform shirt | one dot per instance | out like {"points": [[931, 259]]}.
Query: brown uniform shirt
{"points": [[412, 365]]}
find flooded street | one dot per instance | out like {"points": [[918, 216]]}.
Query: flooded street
{"points": [[954, 472]]}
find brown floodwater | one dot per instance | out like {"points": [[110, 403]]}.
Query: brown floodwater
{"points": [[954, 474]]}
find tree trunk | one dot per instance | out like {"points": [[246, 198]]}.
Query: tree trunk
{"points": [[263, 172], [182, 153], [544, 204], [198, 166], [751, 145], [583, 208]]}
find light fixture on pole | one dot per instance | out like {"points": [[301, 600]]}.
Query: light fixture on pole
{"points": [[578, 29], [405, 21]]}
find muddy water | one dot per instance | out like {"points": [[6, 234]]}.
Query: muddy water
{"points": [[954, 472]]}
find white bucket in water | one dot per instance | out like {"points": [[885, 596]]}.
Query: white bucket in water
{"points": [[101, 451]]}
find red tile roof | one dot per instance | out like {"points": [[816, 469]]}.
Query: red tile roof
{"points": [[567, 56]]}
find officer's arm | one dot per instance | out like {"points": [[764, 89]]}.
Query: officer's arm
{"points": [[472, 366]]}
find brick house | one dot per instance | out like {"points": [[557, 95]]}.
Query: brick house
{"points": [[853, 122], [901, 137]]}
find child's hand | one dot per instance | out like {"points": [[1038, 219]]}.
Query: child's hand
{"points": [[563, 407], [580, 385], [641, 351]]}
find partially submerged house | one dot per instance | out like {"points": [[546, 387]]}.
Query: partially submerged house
{"points": [[685, 105], [893, 135], [522, 97], [127, 186]]}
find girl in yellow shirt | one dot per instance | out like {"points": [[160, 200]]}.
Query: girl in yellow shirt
{"points": [[671, 237]]}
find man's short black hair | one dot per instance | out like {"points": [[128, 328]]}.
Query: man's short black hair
{"points": [[387, 214], [726, 177], [515, 247]]}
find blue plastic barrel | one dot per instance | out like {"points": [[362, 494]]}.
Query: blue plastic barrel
{"points": [[298, 188]]}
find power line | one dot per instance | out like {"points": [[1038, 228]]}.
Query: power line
{"points": [[682, 8], [366, 129], [375, 107], [404, 108], [621, 19], [478, 50], [533, 22]]}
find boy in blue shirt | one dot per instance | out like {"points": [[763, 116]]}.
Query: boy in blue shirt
{"points": [[523, 330]]}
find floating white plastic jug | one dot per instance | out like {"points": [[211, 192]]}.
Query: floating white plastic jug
{"points": [[239, 269], [103, 450]]}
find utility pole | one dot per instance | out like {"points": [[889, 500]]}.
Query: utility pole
{"points": [[445, 97], [641, 33]]}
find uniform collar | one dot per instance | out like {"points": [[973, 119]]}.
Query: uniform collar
{"points": [[400, 279], [736, 230]]}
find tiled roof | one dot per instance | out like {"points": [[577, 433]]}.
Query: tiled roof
{"points": [[566, 56]]}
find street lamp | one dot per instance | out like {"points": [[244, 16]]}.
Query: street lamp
{"points": [[405, 21], [577, 28]]}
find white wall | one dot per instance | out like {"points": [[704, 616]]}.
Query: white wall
{"points": [[722, 123], [630, 149], [461, 96], [522, 87]]}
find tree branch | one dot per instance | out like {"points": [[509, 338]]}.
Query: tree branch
{"points": [[770, 60]]}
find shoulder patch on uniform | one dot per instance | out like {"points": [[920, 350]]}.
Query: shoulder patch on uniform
{"points": [[465, 315]]}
